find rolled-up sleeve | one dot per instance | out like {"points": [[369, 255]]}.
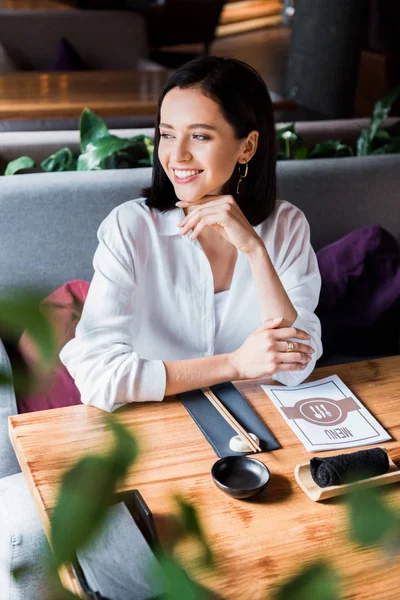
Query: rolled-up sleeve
{"points": [[101, 358], [298, 270]]}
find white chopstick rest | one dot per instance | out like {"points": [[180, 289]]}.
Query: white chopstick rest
{"points": [[238, 444]]}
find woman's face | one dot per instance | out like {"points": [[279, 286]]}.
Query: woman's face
{"points": [[198, 149]]}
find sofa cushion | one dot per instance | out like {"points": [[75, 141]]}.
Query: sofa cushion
{"points": [[359, 304], [67, 58], [63, 308]]}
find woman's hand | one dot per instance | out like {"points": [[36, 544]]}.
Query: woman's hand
{"points": [[264, 352], [224, 215]]}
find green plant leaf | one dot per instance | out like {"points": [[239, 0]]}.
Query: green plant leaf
{"points": [[20, 311], [92, 128], [330, 149], [149, 143], [190, 524], [125, 450], [86, 492], [176, 582], [286, 137], [363, 143], [382, 109], [381, 136], [370, 519], [315, 582], [102, 149], [62, 160], [286, 133], [300, 149], [23, 162]]}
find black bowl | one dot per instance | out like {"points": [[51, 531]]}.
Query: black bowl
{"points": [[240, 476]]}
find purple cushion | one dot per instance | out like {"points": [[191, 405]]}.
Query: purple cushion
{"points": [[359, 305], [67, 58]]}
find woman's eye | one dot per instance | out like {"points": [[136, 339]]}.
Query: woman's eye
{"points": [[201, 136], [166, 136]]}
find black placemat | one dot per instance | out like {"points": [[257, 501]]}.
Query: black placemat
{"points": [[214, 427]]}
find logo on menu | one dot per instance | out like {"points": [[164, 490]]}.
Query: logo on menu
{"points": [[321, 411]]}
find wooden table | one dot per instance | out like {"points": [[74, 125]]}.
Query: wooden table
{"points": [[34, 5], [33, 95], [258, 543]]}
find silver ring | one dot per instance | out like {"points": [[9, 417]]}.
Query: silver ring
{"points": [[290, 346]]}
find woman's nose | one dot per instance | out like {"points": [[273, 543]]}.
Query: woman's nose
{"points": [[181, 152]]}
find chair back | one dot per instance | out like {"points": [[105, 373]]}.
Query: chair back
{"points": [[200, 18]]}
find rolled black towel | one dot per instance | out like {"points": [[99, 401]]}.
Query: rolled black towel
{"points": [[345, 468]]}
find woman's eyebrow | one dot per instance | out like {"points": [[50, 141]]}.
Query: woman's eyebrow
{"points": [[194, 126]]}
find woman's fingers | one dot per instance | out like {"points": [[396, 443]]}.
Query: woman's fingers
{"points": [[293, 357], [297, 347], [291, 367], [207, 215], [291, 332]]}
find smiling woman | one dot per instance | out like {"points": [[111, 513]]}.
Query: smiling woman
{"points": [[155, 323]]}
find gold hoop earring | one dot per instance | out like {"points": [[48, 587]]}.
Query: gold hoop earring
{"points": [[242, 176]]}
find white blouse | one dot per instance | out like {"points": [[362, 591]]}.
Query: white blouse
{"points": [[152, 299]]}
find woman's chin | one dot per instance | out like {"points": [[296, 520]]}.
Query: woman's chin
{"points": [[187, 196]]}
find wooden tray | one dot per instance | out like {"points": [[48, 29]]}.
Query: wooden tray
{"points": [[317, 494]]}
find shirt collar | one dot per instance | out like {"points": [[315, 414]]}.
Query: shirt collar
{"points": [[167, 222]]}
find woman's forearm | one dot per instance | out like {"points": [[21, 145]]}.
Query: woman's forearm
{"points": [[186, 375], [272, 297]]}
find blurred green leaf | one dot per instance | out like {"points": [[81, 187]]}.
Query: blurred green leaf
{"points": [[86, 492], [62, 160], [382, 109], [92, 129], [300, 149], [176, 582], [149, 143], [20, 311], [287, 132], [330, 149], [190, 524], [370, 519], [125, 450], [315, 582], [381, 136], [23, 162], [363, 143], [286, 137]]}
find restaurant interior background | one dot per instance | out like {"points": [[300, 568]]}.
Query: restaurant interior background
{"points": [[327, 64]]}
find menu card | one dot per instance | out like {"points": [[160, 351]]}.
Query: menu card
{"points": [[325, 415]]}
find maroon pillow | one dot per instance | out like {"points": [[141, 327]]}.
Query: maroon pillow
{"points": [[67, 58], [64, 308]]}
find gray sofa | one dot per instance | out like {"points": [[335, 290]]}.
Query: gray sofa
{"points": [[48, 221]]}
